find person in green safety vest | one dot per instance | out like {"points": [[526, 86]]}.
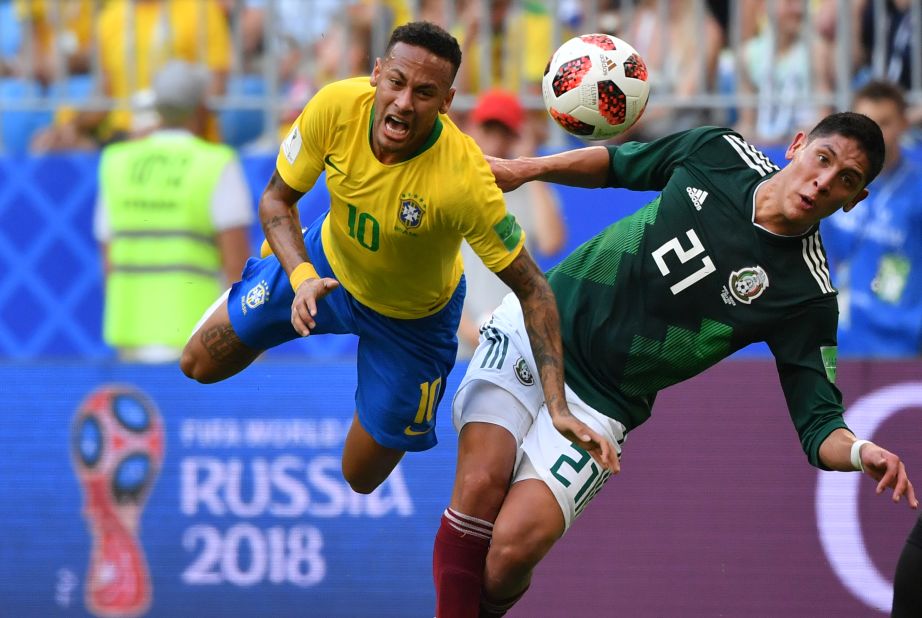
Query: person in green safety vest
{"points": [[172, 218]]}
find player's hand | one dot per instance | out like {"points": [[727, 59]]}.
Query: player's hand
{"points": [[507, 179], [601, 449], [887, 469], [304, 306]]}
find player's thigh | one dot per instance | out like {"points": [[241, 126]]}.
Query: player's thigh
{"points": [[487, 450], [403, 367], [528, 525], [569, 472], [366, 463], [214, 351]]}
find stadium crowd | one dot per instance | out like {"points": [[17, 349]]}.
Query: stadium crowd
{"points": [[74, 75], [78, 75]]}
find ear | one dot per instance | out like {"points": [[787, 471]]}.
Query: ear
{"points": [[375, 72], [799, 142], [861, 195], [446, 104]]}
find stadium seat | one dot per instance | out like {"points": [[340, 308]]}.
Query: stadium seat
{"points": [[75, 88], [10, 30], [242, 125], [17, 126]]}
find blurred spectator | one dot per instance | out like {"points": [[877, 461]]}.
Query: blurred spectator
{"points": [[897, 43], [295, 25], [875, 252], [826, 69], [680, 41], [196, 31], [60, 35], [45, 51], [519, 35], [872, 56], [775, 66], [172, 216], [333, 44], [496, 124]]}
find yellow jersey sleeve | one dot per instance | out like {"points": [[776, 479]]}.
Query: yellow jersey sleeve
{"points": [[492, 232], [300, 158]]}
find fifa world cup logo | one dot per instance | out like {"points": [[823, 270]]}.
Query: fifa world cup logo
{"points": [[117, 447]]}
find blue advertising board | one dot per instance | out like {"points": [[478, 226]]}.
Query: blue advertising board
{"points": [[130, 491], [232, 504]]}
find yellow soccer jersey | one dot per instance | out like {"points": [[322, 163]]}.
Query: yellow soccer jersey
{"points": [[393, 234]]}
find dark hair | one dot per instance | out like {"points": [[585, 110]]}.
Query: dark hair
{"points": [[859, 128], [429, 36], [881, 90]]}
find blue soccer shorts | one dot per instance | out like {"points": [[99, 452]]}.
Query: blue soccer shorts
{"points": [[403, 365]]}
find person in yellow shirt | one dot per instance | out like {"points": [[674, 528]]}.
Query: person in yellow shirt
{"points": [[61, 31], [406, 186], [520, 45], [195, 31]]}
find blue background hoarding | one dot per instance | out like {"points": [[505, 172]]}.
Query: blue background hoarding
{"points": [[250, 515]]}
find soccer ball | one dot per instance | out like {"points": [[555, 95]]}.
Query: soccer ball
{"points": [[595, 86]]}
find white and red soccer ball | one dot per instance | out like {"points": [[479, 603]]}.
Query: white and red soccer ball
{"points": [[595, 86]]}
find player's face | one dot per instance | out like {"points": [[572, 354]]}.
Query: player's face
{"points": [[412, 86], [825, 174]]}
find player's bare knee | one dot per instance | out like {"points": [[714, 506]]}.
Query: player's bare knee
{"points": [[190, 363], [360, 479], [187, 363], [512, 557], [482, 488], [359, 483]]}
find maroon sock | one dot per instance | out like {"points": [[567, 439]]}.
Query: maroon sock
{"points": [[498, 609], [458, 559]]}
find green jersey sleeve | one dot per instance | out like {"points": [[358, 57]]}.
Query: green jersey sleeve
{"points": [[647, 166], [805, 354]]}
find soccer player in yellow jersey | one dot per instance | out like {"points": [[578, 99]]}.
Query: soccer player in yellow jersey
{"points": [[406, 186]]}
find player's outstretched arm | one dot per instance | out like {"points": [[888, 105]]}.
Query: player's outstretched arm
{"points": [[841, 451], [583, 167], [542, 322], [281, 225]]}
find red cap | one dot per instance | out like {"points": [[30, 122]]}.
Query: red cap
{"points": [[500, 106]]}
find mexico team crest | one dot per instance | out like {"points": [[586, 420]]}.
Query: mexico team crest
{"points": [[748, 283], [523, 373], [411, 211]]}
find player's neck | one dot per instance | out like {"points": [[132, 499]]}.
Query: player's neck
{"points": [[769, 209]]}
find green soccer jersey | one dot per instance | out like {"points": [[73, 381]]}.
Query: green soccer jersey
{"points": [[690, 278]]}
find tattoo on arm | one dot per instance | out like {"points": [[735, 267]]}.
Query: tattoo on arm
{"points": [[542, 322], [278, 215], [275, 221]]}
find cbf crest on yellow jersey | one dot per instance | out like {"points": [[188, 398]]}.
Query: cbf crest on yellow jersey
{"points": [[393, 234]]}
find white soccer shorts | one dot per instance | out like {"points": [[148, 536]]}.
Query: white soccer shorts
{"points": [[504, 360]]}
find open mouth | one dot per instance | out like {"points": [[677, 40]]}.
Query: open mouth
{"points": [[806, 202], [395, 128]]}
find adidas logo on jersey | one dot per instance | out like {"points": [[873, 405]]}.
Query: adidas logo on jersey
{"points": [[697, 196]]}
